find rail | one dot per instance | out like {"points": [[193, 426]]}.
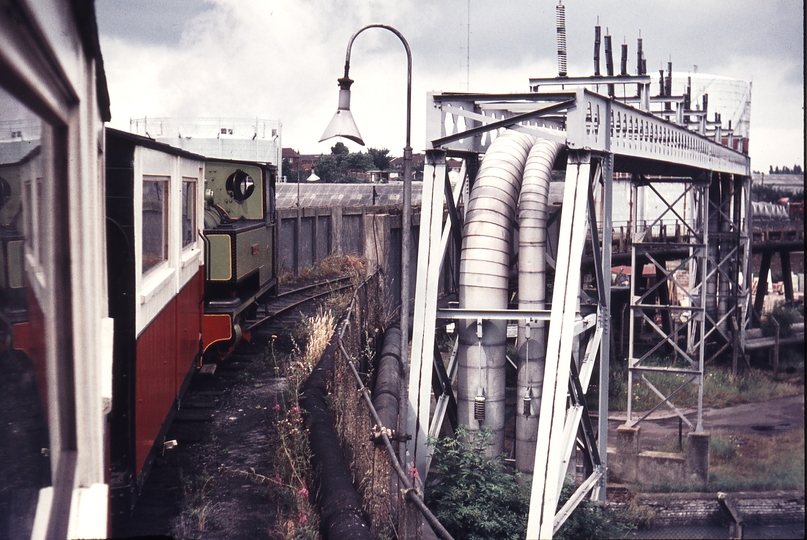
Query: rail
{"points": [[290, 299]]}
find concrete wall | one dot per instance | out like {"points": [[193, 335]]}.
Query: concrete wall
{"points": [[308, 235]]}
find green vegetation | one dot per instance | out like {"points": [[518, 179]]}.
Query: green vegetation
{"points": [[719, 388], [590, 521], [747, 462], [472, 495], [475, 497], [785, 317]]}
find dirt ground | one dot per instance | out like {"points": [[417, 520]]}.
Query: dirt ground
{"points": [[208, 486], [767, 418]]}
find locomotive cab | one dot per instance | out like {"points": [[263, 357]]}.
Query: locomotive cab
{"points": [[239, 234]]}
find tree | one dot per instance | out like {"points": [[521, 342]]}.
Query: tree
{"points": [[287, 171], [340, 150], [327, 168], [357, 161], [381, 158]]}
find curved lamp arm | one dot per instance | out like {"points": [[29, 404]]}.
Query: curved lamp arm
{"points": [[347, 80]]}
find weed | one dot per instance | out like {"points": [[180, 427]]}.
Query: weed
{"points": [[720, 389], [592, 521], [331, 266], [785, 317], [197, 509], [749, 463], [471, 494], [289, 451]]}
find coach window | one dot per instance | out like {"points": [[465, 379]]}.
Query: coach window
{"points": [[28, 298], [155, 220], [188, 211]]}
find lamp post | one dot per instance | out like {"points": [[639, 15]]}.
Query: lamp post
{"points": [[343, 125]]}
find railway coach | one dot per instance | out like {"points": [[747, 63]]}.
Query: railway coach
{"points": [[55, 352], [191, 252]]}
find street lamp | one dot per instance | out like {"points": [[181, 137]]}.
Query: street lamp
{"points": [[343, 125]]}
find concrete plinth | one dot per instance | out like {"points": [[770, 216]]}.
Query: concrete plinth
{"points": [[626, 464], [698, 455]]}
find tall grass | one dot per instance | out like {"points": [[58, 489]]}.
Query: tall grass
{"points": [[290, 453], [719, 388], [749, 462]]}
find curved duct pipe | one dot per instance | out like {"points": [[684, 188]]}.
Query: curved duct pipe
{"points": [[532, 214], [484, 270]]}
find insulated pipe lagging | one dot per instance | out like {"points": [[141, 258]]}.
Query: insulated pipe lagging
{"points": [[532, 216], [484, 269], [386, 395]]}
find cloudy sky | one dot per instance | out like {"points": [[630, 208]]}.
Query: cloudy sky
{"points": [[279, 59]]}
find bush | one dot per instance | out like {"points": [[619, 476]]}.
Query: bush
{"points": [[590, 521], [471, 494], [785, 316]]}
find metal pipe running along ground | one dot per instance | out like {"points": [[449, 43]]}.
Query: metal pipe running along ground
{"points": [[487, 247]]}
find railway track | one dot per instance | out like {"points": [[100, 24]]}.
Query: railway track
{"points": [[223, 423], [288, 300]]}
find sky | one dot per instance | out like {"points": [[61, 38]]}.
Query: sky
{"points": [[280, 59]]}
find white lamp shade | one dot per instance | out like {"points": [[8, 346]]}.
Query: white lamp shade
{"points": [[342, 123]]}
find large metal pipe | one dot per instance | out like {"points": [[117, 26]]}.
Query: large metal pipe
{"points": [[484, 270], [532, 215]]}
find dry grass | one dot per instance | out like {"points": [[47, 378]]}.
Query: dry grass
{"points": [[760, 462], [334, 265], [320, 330]]}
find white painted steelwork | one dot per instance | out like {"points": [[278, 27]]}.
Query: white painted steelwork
{"points": [[598, 132]]}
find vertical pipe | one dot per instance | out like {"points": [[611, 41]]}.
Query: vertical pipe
{"points": [[639, 57], [605, 307], [713, 252], [532, 215], [668, 87], [725, 246], [484, 273]]}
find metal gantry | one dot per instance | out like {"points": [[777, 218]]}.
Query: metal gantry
{"points": [[602, 136]]}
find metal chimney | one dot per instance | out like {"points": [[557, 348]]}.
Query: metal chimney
{"points": [[560, 12], [624, 62], [609, 62], [597, 51]]}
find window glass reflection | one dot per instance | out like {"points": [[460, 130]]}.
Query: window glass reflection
{"points": [[188, 211], [155, 220], [24, 440]]}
